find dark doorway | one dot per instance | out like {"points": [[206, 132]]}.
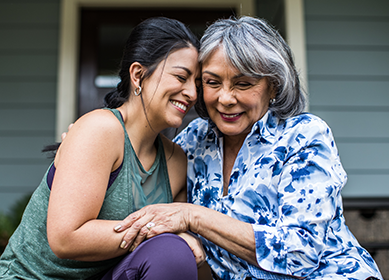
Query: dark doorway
{"points": [[103, 35]]}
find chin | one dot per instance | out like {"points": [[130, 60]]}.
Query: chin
{"points": [[231, 131], [175, 123]]}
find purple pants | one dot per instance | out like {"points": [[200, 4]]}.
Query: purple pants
{"points": [[166, 256]]}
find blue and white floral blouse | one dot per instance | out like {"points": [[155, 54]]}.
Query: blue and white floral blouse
{"points": [[286, 182]]}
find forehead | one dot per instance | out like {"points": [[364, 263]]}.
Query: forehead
{"points": [[185, 59], [183, 55], [218, 62], [216, 55]]}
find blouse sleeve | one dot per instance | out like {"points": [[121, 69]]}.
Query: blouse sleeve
{"points": [[309, 185]]}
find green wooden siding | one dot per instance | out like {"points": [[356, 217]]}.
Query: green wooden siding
{"points": [[348, 79], [28, 80]]}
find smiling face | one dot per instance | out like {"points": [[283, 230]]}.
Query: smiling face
{"points": [[170, 91], [234, 101]]}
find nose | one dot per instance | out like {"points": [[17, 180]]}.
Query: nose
{"points": [[227, 97], [191, 91]]}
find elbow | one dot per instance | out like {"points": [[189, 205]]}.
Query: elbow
{"points": [[62, 252], [61, 247]]}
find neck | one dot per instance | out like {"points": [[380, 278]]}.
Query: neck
{"points": [[141, 134], [233, 143]]}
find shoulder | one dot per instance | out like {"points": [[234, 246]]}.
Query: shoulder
{"points": [[306, 126], [101, 126], [198, 127], [195, 132], [304, 121], [99, 119], [307, 131], [98, 125], [96, 131]]}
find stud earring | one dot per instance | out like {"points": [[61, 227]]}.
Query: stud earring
{"points": [[138, 91], [272, 101]]}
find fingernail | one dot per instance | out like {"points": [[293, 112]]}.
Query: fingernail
{"points": [[118, 227], [123, 244], [131, 248]]}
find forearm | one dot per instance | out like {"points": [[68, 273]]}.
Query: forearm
{"points": [[93, 241], [235, 236]]}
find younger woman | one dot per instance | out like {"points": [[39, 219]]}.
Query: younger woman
{"points": [[112, 163]]}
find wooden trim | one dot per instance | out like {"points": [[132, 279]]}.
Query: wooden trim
{"points": [[67, 66], [68, 44], [295, 35]]}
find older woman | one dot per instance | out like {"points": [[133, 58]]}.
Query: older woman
{"points": [[264, 178]]}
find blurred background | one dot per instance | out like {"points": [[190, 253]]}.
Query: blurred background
{"points": [[58, 58]]}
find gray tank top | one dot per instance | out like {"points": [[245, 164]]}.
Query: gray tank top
{"points": [[28, 254]]}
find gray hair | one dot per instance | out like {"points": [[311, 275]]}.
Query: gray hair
{"points": [[256, 49]]}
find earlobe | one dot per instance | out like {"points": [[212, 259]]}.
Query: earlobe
{"points": [[272, 96], [136, 72]]}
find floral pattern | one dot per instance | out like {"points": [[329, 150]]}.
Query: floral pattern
{"points": [[286, 181]]}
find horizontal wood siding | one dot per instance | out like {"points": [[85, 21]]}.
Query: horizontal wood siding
{"points": [[348, 70], [28, 79]]}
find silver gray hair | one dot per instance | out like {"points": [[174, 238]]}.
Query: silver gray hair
{"points": [[256, 49]]}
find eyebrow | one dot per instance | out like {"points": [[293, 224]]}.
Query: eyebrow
{"points": [[184, 68], [213, 74], [210, 73]]}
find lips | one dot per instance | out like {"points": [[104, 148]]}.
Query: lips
{"points": [[179, 105], [230, 117]]}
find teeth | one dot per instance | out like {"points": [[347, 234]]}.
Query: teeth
{"points": [[179, 105], [230, 116]]}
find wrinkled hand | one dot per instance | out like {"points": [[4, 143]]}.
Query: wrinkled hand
{"points": [[63, 135], [195, 245], [172, 217]]}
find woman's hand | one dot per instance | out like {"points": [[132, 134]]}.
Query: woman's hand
{"points": [[195, 245], [63, 135], [233, 235], [172, 217]]}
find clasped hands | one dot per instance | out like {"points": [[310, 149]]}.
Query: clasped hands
{"points": [[163, 218]]}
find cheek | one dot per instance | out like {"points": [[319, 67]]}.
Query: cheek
{"points": [[259, 107], [208, 96]]}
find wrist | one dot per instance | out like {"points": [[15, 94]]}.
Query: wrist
{"points": [[192, 217]]}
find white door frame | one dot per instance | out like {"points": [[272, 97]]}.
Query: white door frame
{"points": [[295, 36], [69, 42]]}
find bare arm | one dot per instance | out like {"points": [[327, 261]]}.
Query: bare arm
{"points": [[235, 236], [84, 162]]}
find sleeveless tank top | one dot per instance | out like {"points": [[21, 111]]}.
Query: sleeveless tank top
{"points": [[28, 254]]}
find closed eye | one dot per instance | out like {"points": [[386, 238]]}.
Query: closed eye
{"points": [[243, 85], [181, 78], [211, 83]]}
